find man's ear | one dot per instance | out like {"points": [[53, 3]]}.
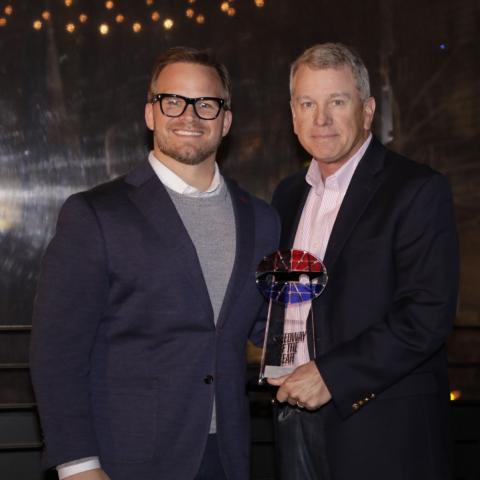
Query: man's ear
{"points": [[368, 112], [227, 122], [149, 115]]}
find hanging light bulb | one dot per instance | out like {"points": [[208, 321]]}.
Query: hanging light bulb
{"points": [[70, 27], [137, 27], [104, 29], [200, 19], [168, 23]]}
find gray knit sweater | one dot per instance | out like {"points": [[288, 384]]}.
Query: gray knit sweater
{"points": [[210, 222]]}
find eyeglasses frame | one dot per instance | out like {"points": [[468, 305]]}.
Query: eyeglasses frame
{"points": [[157, 97]]}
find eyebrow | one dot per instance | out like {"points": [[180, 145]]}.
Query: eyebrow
{"points": [[340, 94], [332, 95]]}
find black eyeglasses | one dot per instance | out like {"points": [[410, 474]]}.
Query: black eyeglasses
{"points": [[206, 108]]}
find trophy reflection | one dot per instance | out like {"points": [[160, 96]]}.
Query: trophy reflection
{"points": [[290, 280]]}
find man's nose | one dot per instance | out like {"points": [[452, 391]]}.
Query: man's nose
{"points": [[190, 112], [322, 116]]}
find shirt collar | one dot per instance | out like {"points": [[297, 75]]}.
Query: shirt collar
{"points": [[172, 181], [342, 176]]}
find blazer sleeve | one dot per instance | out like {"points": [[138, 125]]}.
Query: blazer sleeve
{"points": [[71, 298], [425, 261]]}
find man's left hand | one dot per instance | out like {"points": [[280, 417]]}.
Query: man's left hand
{"points": [[304, 387]]}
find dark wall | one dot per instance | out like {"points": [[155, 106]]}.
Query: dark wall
{"points": [[71, 116]]}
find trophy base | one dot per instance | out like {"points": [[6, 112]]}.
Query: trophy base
{"points": [[273, 371]]}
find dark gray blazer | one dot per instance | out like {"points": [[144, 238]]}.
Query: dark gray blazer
{"points": [[125, 355]]}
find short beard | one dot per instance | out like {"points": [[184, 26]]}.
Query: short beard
{"points": [[189, 155]]}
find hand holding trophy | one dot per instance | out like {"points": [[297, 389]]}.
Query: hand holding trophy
{"points": [[289, 280]]}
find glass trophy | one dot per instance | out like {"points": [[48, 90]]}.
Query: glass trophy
{"points": [[289, 280]]}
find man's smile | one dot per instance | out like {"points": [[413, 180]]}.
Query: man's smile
{"points": [[187, 133]]}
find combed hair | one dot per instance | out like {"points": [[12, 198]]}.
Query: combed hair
{"points": [[191, 55], [334, 55]]}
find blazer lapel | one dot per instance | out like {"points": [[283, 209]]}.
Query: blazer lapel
{"points": [[154, 202], [363, 185], [241, 272]]}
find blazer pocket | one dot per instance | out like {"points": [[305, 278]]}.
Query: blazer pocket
{"points": [[125, 420]]}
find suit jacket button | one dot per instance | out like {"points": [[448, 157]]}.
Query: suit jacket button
{"points": [[208, 379]]}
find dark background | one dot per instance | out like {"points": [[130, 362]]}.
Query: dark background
{"points": [[71, 110]]}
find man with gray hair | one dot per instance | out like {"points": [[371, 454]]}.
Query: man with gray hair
{"points": [[373, 402]]}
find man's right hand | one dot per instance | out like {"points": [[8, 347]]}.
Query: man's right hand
{"points": [[95, 474]]}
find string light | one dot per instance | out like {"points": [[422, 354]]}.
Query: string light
{"points": [[104, 29], [226, 6]]}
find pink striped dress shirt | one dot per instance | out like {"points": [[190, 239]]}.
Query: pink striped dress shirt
{"points": [[314, 229]]}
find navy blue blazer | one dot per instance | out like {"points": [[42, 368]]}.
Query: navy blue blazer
{"points": [[125, 355], [383, 318]]}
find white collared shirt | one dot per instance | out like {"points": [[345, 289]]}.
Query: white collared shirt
{"points": [[172, 181]]}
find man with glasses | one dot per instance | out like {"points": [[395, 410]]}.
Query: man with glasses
{"points": [[146, 299]]}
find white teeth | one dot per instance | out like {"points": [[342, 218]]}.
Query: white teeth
{"points": [[188, 133]]}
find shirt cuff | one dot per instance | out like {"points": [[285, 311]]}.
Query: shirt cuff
{"points": [[77, 466]]}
